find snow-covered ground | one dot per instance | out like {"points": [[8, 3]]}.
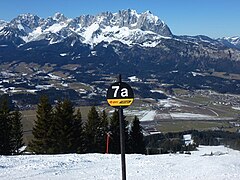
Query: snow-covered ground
{"points": [[236, 108], [222, 164], [186, 116], [151, 115], [148, 116]]}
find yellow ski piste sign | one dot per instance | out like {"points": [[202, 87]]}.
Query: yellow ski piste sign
{"points": [[120, 95], [120, 102]]}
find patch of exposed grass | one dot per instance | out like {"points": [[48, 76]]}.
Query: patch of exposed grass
{"points": [[179, 92], [197, 99], [224, 75], [77, 86], [70, 67]]}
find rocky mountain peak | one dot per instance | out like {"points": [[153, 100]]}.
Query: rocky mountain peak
{"points": [[28, 20], [2, 24], [130, 18], [234, 40], [59, 17]]}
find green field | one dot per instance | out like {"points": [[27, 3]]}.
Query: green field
{"points": [[178, 126], [29, 116]]}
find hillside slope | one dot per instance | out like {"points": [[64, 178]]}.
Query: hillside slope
{"points": [[222, 164]]}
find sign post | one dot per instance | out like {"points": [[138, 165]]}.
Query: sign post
{"points": [[120, 95]]}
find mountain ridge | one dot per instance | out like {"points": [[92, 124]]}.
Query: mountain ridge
{"points": [[126, 26]]}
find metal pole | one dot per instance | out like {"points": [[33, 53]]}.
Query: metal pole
{"points": [[122, 138], [119, 78], [122, 143]]}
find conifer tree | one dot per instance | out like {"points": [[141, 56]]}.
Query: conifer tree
{"points": [[63, 124], [53, 135], [136, 141], [17, 131], [5, 128], [114, 146], [92, 131], [102, 132], [42, 140], [78, 133]]}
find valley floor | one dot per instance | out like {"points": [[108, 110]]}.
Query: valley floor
{"points": [[208, 163]]}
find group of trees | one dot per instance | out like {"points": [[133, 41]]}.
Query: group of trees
{"points": [[11, 133], [60, 129], [173, 142]]}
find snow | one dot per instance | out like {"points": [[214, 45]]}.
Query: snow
{"points": [[93, 33], [73, 42], [234, 40], [149, 116], [177, 115], [169, 102], [134, 13], [236, 108], [56, 27], [184, 116], [34, 34], [52, 76], [138, 113], [157, 91], [209, 163], [151, 17], [134, 79], [7, 75], [94, 53], [53, 41], [123, 34], [20, 27], [63, 54], [47, 86], [197, 74], [32, 90], [2, 24], [23, 148], [188, 139], [64, 84], [89, 31]]}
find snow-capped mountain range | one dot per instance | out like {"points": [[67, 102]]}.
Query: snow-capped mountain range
{"points": [[126, 26], [88, 49], [231, 41]]}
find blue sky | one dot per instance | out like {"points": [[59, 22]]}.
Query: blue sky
{"points": [[214, 18]]}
